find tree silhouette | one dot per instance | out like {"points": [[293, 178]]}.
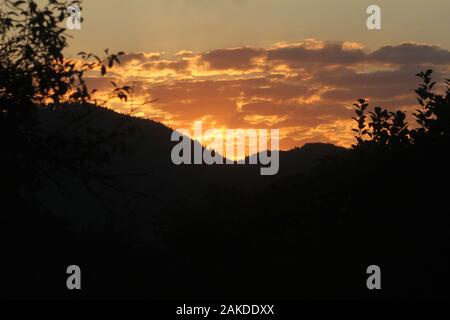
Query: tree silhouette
{"points": [[390, 129], [35, 76]]}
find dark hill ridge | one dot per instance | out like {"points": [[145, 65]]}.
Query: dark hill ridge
{"points": [[149, 146], [145, 166]]}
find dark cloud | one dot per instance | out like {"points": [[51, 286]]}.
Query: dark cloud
{"points": [[176, 65], [139, 57], [344, 76], [237, 58], [329, 53], [326, 54], [410, 53], [382, 84]]}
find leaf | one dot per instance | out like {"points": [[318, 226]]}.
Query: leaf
{"points": [[420, 102]]}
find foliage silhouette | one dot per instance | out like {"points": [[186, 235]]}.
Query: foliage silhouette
{"points": [[390, 130], [36, 77]]}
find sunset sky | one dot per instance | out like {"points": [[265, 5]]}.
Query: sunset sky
{"points": [[296, 65]]}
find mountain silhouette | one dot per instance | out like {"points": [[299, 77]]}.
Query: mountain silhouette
{"points": [[145, 166]]}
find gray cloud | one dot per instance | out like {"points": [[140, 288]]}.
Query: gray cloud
{"points": [[330, 53], [237, 58], [410, 53]]}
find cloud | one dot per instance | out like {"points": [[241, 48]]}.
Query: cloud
{"points": [[306, 89], [176, 65], [411, 53], [140, 58], [236, 58], [323, 53]]}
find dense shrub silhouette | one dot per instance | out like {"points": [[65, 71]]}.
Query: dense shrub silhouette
{"points": [[390, 130]]}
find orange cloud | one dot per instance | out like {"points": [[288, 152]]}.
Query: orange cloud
{"points": [[305, 89]]}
